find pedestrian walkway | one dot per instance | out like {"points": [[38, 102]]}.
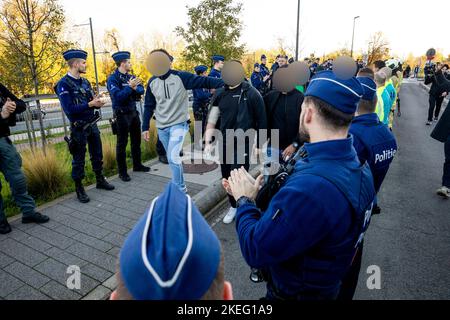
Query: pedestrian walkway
{"points": [[34, 260]]}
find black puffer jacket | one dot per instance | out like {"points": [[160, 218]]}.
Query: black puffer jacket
{"points": [[439, 84], [11, 121]]}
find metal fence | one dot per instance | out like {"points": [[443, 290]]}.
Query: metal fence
{"points": [[44, 122]]}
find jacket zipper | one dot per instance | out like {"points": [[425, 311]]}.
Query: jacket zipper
{"points": [[165, 90]]}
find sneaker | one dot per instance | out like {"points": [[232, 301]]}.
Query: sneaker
{"points": [[399, 114], [444, 192], [429, 123], [35, 218], [231, 215], [436, 119], [5, 228], [163, 160]]}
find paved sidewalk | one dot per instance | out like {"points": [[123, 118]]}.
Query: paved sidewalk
{"points": [[34, 259]]}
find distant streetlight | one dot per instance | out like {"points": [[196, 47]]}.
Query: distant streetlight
{"points": [[353, 36]]}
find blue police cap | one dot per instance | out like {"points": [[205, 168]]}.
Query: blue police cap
{"points": [[369, 87], [172, 253], [218, 58], [263, 57], [75, 54], [121, 55], [256, 65], [201, 69], [343, 95]]}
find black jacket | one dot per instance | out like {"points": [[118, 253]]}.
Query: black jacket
{"points": [[439, 84], [241, 108], [11, 121], [283, 114]]}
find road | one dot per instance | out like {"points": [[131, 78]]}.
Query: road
{"points": [[410, 240]]}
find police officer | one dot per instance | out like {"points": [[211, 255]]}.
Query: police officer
{"points": [[376, 145], [201, 98], [264, 69], [125, 90], [11, 163], [218, 63], [79, 104], [155, 265], [257, 79], [303, 244]]}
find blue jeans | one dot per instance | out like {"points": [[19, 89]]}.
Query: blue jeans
{"points": [[173, 139], [11, 167]]}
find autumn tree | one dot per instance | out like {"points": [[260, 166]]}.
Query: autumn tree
{"points": [[214, 27], [378, 48]]}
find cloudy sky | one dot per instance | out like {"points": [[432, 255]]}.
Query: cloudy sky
{"points": [[326, 25]]}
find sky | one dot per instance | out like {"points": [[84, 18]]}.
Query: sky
{"points": [[326, 25]]}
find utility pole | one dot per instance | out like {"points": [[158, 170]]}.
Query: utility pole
{"points": [[297, 43], [353, 36]]}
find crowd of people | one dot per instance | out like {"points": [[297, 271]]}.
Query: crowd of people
{"points": [[308, 243]]}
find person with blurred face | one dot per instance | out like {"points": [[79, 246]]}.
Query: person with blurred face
{"points": [[125, 90]]}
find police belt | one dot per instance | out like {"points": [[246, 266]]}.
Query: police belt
{"points": [[122, 112]]}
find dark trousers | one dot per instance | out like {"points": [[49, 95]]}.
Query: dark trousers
{"points": [[237, 162], [128, 125], [350, 282], [11, 167], [90, 137], [160, 150], [446, 177], [435, 107]]}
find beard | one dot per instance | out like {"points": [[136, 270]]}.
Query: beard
{"points": [[304, 134]]}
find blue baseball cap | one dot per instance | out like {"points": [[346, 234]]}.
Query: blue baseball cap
{"points": [[218, 58], [343, 95], [172, 253], [370, 88], [75, 54], [201, 69], [121, 55]]}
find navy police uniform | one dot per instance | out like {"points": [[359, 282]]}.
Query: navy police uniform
{"points": [[264, 70], [304, 245], [257, 80], [214, 72], [202, 98], [124, 100], [376, 145], [75, 95]]}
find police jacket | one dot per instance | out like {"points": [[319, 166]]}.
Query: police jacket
{"points": [[375, 144], [11, 121], [283, 114], [167, 97], [123, 97], [264, 70], [439, 84], [75, 95], [215, 74], [241, 108], [307, 238], [257, 81], [201, 99]]}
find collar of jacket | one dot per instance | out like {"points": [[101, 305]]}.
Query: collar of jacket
{"points": [[340, 150], [245, 86], [367, 119], [166, 76]]}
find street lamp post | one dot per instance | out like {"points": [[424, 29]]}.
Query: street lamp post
{"points": [[298, 32], [353, 36]]}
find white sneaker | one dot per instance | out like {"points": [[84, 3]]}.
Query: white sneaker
{"points": [[444, 192], [231, 215]]}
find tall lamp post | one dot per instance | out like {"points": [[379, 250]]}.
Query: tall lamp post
{"points": [[353, 36], [298, 32]]}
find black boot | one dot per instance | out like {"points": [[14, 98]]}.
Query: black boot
{"points": [[103, 184], [163, 159], [141, 168], [5, 228], [81, 193], [36, 218], [125, 177]]}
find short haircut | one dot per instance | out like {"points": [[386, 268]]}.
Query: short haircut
{"points": [[332, 118], [379, 64], [214, 293], [163, 51], [380, 78], [368, 106], [366, 72], [72, 62], [119, 63]]}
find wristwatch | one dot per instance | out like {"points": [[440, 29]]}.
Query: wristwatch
{"points": [[296, 145], [245, 200]]}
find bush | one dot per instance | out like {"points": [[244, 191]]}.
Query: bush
{"points": [[45, 173]]}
